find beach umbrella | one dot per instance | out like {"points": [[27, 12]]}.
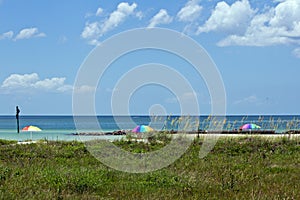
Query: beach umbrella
{"points": [[142, 129], [249, 127], [31, 129]]}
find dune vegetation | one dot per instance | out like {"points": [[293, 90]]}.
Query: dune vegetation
{"points": [[237, 168]]}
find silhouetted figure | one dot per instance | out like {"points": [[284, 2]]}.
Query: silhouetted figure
{"points": [[17, 117]]}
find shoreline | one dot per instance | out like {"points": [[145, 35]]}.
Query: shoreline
{"points": [[201, 132]]}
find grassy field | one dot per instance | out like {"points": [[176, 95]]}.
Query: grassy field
{"points": [[237, 168]]}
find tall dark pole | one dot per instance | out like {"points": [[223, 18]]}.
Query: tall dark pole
{"points": [[17, 117]]}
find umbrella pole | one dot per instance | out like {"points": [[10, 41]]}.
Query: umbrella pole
{"points": [[31, 135]]}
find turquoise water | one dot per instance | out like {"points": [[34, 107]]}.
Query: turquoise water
{"points": [[62, 127], [54, 128], [54, 135]]}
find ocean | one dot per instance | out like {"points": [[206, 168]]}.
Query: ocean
{"points": [[64, 127]]}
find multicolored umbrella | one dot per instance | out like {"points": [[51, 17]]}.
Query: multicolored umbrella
{"points": [[31, 128], [142, 129], [249, 127]]}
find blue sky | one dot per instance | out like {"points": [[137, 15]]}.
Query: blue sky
{"points": [[255, 45]]}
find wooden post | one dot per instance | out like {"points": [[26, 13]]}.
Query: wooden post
{"points": [[17, 117]]}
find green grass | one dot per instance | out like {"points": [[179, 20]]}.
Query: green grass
{"points": [[237, 168], [7, 142]]}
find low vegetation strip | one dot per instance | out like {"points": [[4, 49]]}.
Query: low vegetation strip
{"points": [[237, 168]]}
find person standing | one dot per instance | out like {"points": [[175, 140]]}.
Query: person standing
{"points": [[17, 117]]}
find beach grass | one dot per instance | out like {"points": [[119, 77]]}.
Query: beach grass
{"points": [[237, 168]]}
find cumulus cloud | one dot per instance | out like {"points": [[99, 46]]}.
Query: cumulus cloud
{"points": [[285, 13], [162, 17], [94, 30], [30, 82], [278, 25], [6, 35], [229, 18], [118, 16], [18, 80], [190, 11], [91, 30], [29, 33]]}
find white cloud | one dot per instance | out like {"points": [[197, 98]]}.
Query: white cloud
{"points": [[30, 82], [29, 33], [65, 88], [49, 84], [285, 13], [296, 52], [279, 25], [91, 30], [162, 17], [229, 18], [190, 11], [118, 16], [250, 99], [84, 89], [6, 35], [94, 30], [20, 81], [94, 42], [99, 11], [139, 15]]}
